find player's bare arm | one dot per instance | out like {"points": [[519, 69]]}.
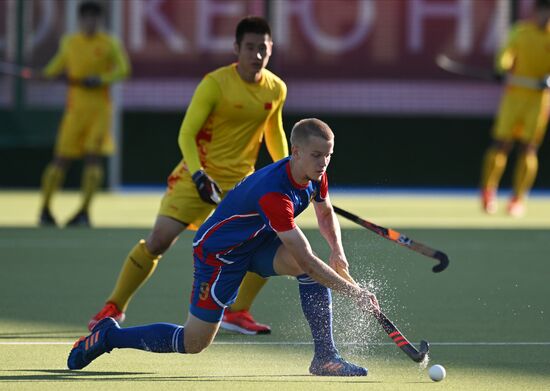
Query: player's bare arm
{"points": [[299, 248], [330, 229]]}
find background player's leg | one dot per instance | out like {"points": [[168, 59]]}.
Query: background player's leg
{"points": [[92, 177], [494, 163], [237, 317], [524, 176], [52, 179], [139, 265], [143, 258], [249, 289]]}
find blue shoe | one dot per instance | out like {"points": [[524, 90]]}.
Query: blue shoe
{"points": [[335, 366], [87, 349]]}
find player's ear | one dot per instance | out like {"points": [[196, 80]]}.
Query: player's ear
{"points": [[236, 48], [295, 150]]}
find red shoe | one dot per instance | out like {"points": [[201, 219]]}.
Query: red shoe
{"points": [[489, 201], [242, 322], [110, 310], [516, 207]]}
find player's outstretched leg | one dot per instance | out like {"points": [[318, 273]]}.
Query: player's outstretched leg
{"points": [[317, 307], [107, 335], [87, 349]]}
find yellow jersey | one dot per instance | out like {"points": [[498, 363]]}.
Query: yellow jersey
{"points": [[226, 121], [81, 56], [527, 51]]}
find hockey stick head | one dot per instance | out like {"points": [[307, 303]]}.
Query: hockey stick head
{"points": [[417, 355], [424, 350], [443, 262]]}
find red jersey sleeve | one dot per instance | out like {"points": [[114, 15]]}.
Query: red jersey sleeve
{"points": [[279, 211]]}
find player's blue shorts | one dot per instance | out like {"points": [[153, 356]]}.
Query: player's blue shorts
{"points": [[215, 286]]}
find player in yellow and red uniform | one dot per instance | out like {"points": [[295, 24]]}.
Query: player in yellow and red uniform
{"points": [[523, 113], [232, 110], [92, 60]]}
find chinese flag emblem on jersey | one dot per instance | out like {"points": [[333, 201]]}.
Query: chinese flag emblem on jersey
{"points": [[268, 106]]}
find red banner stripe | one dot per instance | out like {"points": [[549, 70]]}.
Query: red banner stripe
{"points": [[403, 343], [394, 334]]}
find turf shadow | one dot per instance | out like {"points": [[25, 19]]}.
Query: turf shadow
{"points": [[66, 374]]}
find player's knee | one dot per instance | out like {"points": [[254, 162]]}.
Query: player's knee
{"points": [[503, 146], [195, 347], [527, 148], [158, 242], [61, 162]]}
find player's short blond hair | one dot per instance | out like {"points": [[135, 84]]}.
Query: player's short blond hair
{"points": [[310, 127]]}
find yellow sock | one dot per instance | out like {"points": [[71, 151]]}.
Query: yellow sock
{"points": [[494, 163], [52, 178], [249, 289], [138, 267], [525, 173], [92, 177]]}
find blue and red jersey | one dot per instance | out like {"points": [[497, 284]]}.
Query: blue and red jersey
{"points": [[263, 204]]}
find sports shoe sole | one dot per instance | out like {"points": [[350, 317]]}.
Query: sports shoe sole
{"points": [[237, 329]]}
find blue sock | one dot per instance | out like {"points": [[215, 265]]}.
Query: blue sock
{"points": [[157, 337], [317, 307]]}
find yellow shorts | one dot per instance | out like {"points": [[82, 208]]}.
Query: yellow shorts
{"points": [[181, 200], [522, 116], [85, 130]]}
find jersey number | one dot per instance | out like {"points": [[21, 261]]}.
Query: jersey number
{"points": [[204, 291]]}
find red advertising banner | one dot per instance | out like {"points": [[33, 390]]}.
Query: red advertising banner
{"points": [[335, 55]]}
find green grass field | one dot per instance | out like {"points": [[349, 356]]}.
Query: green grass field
{"points": [[486, 316]]}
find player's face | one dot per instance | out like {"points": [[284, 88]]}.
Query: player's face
{"points": [[314, 157], [253, 52], [543, 15], [89, 23]]}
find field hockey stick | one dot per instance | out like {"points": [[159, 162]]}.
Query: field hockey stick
{"points": [[16, 70], [28, 73], [457, 68], [393, 332], [400, 340], [398, 238]]}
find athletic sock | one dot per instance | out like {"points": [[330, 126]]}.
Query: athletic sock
{"points": [[52, 178], [156, 337], [92, 177], [525, 173], [317, 307], [138, 267], [493, 167], [249, 289]]}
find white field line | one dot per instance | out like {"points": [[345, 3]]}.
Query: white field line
{"points": [[542, 343]]}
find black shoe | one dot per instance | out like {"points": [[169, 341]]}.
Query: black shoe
{"points": [[47, 219], [81, 219]]}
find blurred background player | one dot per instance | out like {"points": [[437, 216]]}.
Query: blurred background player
{"points": [[91, 60], [254, 229], [523, 112], [231, 111]]}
